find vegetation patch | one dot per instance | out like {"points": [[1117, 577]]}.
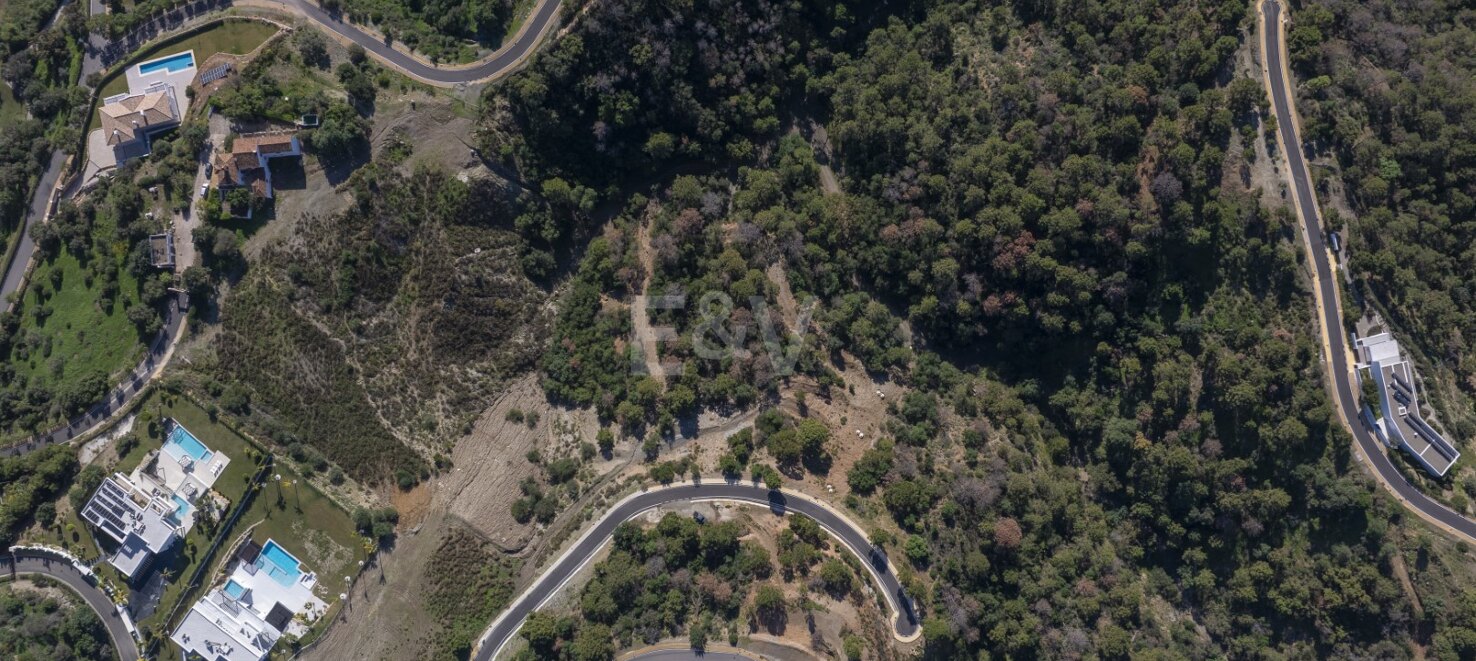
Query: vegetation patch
{"points": [[469, 582], [41, 619], [403, 312], [92, 303], [443, 30]]}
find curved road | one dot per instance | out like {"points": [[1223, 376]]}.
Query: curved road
{"points": [[507, 624], [1334, 338], [62, 570], [498, 64]]}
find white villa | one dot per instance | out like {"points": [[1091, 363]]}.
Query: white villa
{"points": [[1399, 420], [149, 510], [244, 617]]}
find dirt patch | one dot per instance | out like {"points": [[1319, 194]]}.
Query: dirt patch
{"points": [[384, 617], [490, 462], [649, 339], [432, 125], [413, 505], [301, 187]]}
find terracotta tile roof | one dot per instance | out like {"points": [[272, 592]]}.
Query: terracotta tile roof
{"points": [[258, 183], [266, 143], [125, 120]]}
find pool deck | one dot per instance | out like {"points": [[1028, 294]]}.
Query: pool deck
{"points": [[101, 157], [181, 79]]}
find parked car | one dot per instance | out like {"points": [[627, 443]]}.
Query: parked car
{"points": [[698, 517], [204, 188]]}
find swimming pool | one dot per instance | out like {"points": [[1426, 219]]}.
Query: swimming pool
{"points": [[279, 564], [172, 63], [182, 444], [234, 589], [182, 507]]}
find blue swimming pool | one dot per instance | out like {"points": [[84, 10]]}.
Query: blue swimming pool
{"points": [[182, 444], [173, 63], [278, 564], [182, 507], [234, 589]]}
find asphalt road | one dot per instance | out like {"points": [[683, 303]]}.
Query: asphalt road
{"points": [[503, 61], [40, 199], [1332, 318], [61, 570], [507, 624]]}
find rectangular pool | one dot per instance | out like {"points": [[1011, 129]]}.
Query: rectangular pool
{"points": [[279, 564], [234, 589], [172, 63], [182, 444]]}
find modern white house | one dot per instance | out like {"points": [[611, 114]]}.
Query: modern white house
{"points": [[141, 527], [150, 509], [243, 618], [1398, 420]]}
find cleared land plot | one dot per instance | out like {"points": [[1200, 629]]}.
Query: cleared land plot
{"points": [[11, 109]]}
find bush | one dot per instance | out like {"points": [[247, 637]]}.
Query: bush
{"points": [[561, 470]]}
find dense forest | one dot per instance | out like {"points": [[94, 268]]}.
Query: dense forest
{"points": [[1116, 441], [653, 583], [1389, 92]]}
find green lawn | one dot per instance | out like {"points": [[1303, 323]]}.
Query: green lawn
{"points": [[77, 337], [301, 519], [11, 109], [235, 37]]}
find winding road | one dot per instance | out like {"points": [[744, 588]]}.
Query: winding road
{"points": [[1325, 284], [24, 562], [494, 66], [506, 625]]}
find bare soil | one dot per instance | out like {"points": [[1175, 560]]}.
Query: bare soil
{"points": [[384, 617], [492, 460], [61, 595]]}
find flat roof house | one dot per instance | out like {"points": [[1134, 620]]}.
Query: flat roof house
{"points": [[161, 250], [129, 119], [1400, 421], [149, 510], [141, 527], [244, 617]]}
